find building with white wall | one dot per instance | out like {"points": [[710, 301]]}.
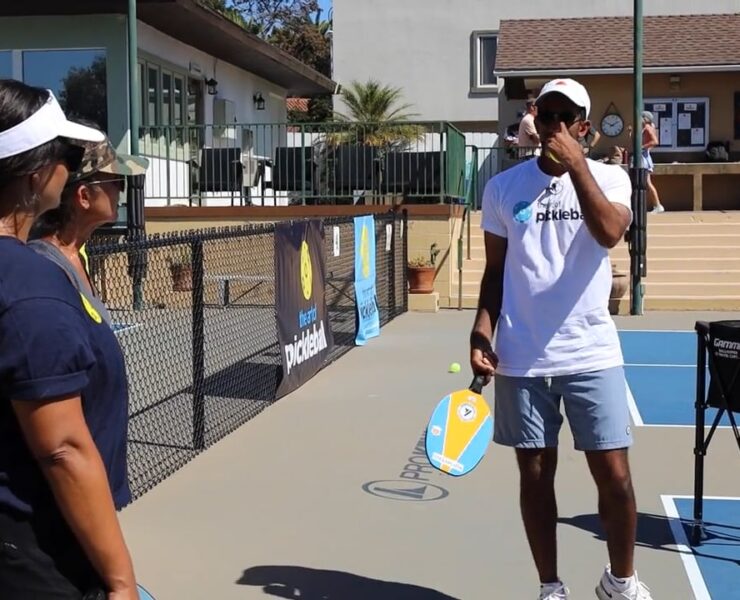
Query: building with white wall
{"points": [[201, 77]]}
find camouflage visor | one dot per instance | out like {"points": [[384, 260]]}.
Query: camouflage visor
{"points": [[102, 158]]}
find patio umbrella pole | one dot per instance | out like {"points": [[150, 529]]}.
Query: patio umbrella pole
{"points": [[638, 230]]}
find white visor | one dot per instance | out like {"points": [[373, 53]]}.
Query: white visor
{"points": [[46, 124]]}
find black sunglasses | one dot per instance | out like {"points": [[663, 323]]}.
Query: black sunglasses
{"points": [[547, 117], [120, 182]]}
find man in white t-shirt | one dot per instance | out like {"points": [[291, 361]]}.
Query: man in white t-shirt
{"points": [[548, 226]]}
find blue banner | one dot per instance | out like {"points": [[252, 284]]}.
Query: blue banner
{"points": [[368, 318]]}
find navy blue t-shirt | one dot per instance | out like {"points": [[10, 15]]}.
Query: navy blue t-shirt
{"points": [[52, 346]]}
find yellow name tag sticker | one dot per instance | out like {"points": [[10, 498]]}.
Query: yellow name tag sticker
{"points": [[94, 314]]}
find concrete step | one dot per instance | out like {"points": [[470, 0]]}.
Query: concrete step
{"points": [[699, 276], [696, 238], [682, 288], [649, 303], [683, 303], [679, 263], [691, 252], [693, 228], [718, 277]]}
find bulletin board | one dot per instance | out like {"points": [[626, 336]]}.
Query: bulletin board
{"points": [[682, 123]]}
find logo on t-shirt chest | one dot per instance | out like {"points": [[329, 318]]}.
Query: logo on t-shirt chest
{"points": [[547, 208]]}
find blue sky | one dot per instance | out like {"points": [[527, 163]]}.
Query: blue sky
{"points": [[325, 6]]}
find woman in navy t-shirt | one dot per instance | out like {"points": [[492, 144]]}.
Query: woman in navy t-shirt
{"points": [[63, 400]]}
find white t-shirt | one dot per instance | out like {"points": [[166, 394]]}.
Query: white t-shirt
{"points": [[557, 279]]}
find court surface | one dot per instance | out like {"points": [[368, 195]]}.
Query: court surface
{"points": [[328, 495]]}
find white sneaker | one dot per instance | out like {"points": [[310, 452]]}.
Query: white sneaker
{"points": [[554, 591], [658, 209], [606, 590]]}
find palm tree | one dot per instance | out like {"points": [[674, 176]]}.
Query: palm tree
{"points": [[376, 116]]}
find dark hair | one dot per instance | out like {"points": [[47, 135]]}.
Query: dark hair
{"points": [[54, 220], [18, 102]]}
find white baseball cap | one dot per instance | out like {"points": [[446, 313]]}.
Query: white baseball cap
{"points": [[47, 123], [569, 88]]}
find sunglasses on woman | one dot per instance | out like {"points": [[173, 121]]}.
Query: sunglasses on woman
{"points": [[120, 182]]}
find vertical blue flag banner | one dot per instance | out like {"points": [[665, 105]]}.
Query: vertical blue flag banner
{"points": [[368, 318]]}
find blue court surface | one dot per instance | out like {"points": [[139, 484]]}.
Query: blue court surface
{"points": [[713, 567], [660, 367]]}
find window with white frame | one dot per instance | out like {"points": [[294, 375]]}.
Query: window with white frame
{"points": [[485, 44], [163, 100], [682, 124], [76, 76]]}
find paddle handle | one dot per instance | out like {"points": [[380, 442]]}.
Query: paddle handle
{"points": [[477, 385]]}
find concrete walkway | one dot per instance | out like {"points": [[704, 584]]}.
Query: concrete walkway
{"points": [[281, 507]]}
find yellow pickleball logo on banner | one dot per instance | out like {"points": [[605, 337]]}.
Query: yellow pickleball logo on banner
{"points": [[365, 253], [306, 271], [90, 309]]}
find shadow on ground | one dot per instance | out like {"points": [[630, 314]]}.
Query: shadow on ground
{"points": [[320, 584], [654, 531]]}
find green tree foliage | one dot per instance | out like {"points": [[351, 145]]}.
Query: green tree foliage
{"points": [[83, 93]]}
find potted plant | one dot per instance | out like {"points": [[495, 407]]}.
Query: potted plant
{"points": [[421, 271], [181, 270]]}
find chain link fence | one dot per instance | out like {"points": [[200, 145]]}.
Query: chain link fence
{"points": [[195, 315]]}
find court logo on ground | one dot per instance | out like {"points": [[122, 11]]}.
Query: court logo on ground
{"points": [[407, 491]]}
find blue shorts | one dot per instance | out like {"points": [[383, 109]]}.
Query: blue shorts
{"points": [[527, 410]]}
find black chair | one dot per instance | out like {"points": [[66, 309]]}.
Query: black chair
{"points": [[718, 347], [355, 168], [287, 175], [221, 170], [412, 173]]}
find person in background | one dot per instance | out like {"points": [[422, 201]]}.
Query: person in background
{"points": [[590, 140], [89, 200], [649, 141], [63, 413], [528, 138]]}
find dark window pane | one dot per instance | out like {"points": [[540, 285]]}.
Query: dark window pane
{"points": [[6, 64], [152, 85], [179, 100], [166, 98], [487, 60], [77, 78]]}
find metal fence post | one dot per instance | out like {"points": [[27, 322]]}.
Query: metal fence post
{"points": [[392, 270], [405, 257], [199, 408], [135, 230], [700, 448]]}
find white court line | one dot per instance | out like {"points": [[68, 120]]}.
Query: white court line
{"points": [[659, 365], [637, 417], [656, 331], [696, 579], [674, 426], [634, 411]]}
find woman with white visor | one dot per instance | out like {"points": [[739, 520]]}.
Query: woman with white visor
{"points": [[62, 441]]}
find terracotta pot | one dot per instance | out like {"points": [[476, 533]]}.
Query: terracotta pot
{"points": [[182, 277], [620, 285], [421, 280]]}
